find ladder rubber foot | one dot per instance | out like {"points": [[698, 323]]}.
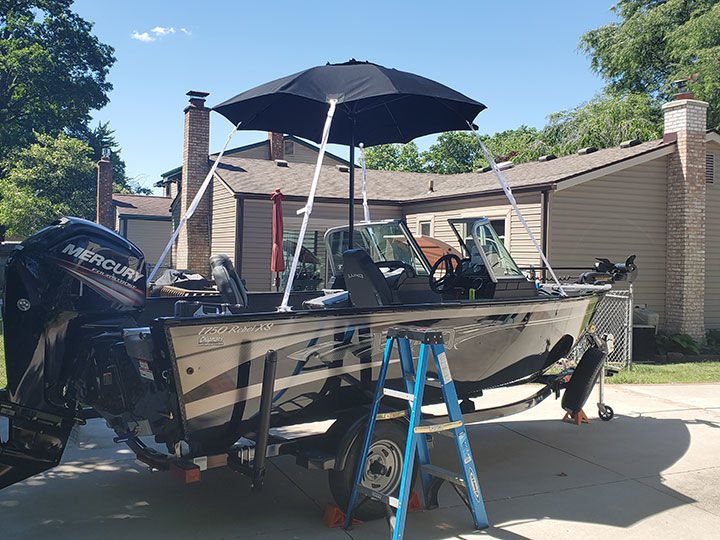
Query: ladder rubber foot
{"points": [[577, 419], [334, 517]]}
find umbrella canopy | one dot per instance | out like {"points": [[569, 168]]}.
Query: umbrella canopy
{"points": [[277, 261], [375, 105]]}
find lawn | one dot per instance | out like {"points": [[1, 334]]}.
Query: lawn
{"points": [[3, 378], [692, 372]]}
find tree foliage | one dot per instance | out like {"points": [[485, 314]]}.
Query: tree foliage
{"points": [[602, 122], [52, 71], [657, 42], [54, 177]]}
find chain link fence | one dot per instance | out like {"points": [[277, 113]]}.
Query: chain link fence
{"points": [[614, 315]]}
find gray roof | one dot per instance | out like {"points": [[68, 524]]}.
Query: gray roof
{"points": [[141, 205], [262, 177]]}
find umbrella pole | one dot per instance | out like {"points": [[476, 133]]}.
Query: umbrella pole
{"points": [[351, 194], [307, 210]]}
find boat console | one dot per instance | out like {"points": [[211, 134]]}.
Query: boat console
{"points": [[388, 267]]}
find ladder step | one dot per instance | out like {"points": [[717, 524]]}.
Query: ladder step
{"points": [[435, 428], [390, 415], [429, 381], [398, 394], [376, 495], [446, 475]]}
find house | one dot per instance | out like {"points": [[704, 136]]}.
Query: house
{"points": [[144, 220], [658, 200]]}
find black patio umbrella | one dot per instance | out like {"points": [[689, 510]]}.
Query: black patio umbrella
{"points": [[375, 105]]}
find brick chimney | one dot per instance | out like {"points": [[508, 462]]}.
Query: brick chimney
{"points": [[277, 150], [105, 214], [193, 244], [685, 122]]}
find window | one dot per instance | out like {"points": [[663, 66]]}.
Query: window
{"points": [[497, 224], [710, 168], [424, 228], [310, 271], [289, 148]]}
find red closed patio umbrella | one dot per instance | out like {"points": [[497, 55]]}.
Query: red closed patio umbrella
{"points": [[277, 261]]}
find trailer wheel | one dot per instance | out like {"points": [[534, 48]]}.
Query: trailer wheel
{"points": [[582, 380], [383, 471]]}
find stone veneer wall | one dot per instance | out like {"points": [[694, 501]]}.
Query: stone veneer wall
{"points": [[193, 243], [685, 283]]}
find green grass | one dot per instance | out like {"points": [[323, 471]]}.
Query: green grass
{"points": [[3, 378], [693, 372]]}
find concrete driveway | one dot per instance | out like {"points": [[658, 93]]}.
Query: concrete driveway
{"points": [[652, 472]]}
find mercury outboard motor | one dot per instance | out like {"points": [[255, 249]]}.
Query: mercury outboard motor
{"points": [[67, 285]]}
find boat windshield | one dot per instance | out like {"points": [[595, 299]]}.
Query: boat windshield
{"points": [[384, 241], [496, 254]]}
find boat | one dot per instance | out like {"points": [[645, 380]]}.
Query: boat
{"points": [[209, 373]]}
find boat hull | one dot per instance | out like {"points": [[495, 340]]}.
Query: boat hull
{"points": [[328, 360]]}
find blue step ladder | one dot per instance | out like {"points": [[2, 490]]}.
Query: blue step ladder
{"points": [[432, 477]]}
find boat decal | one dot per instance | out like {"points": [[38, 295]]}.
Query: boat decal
{"points": [[213, 403]]}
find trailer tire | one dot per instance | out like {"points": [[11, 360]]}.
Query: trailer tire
{"points": [[388, 450], [583, 380]]}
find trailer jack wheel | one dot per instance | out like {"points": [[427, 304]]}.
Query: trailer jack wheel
{"points": [[605, 412]]}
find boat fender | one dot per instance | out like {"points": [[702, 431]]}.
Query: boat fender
{"points": [[583, 380]]}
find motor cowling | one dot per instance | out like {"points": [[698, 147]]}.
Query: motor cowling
{"points": [[64, 286]]}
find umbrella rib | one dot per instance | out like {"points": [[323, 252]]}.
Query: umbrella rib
{"points": [[402, 137]]}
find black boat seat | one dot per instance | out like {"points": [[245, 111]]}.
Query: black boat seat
{"points": [[228, 282], [364, 281]]}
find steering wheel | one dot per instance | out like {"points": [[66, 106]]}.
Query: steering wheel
{"points": [[394, 265], [451, 264]]}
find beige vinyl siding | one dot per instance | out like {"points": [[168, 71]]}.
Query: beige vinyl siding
{"points": [[712, 246], [222, 239], [516, 239], [257, 232], [615, 216], [150, 236], [301, 154]]}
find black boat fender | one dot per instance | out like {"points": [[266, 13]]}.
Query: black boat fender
{"points": [[583, 380]]}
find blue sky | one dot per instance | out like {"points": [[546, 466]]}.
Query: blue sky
{"points": [[519, 58]]}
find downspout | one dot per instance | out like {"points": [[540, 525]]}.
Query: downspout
{"points": [[545, 203]]}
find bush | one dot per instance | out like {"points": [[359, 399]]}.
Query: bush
{"points": [[678, 343]]}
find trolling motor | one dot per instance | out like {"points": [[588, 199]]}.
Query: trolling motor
{"points": [[609, 272]]}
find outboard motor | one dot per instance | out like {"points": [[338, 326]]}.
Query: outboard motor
{"points": [[66, 287]]}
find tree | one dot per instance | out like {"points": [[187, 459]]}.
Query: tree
{"points": [[52, 71], [603, 122], [657, 42], [394, 157], [54, 177]]}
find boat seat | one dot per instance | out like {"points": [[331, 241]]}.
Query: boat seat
{"points": [[228, 282], [364, 281]]}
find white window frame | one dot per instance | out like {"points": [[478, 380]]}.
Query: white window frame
{"points": [[425, 218]]}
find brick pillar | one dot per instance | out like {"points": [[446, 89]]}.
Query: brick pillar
{"points": [[277, 150], [685, 120], [105, 213], [193, 244]]}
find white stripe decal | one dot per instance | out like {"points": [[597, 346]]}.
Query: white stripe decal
{"points": [[212, 403]]}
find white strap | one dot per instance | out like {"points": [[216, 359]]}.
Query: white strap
{"points": [[307, 210], [508, 193], [366, 209], [193, 205]]}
